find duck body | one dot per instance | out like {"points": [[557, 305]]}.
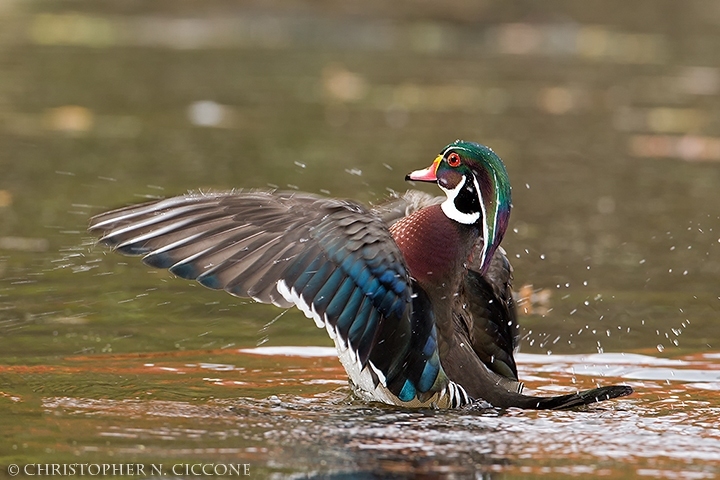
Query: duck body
{"points": [[416, 294]]}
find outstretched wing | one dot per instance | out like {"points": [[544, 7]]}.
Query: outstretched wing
{"points": [[333, 259]]}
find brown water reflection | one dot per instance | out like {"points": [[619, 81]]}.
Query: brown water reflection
{"points": [[605, 113], [669, 428]]}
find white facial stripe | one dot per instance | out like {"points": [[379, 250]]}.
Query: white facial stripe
{"points": [[485, 223], [446, 150], [486, 230], [453, 147], [451, 211]]}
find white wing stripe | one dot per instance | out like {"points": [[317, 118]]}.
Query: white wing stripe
{"points": [[155, 233], [175, 244], [291, 296], [158, 217], [369, 381]]}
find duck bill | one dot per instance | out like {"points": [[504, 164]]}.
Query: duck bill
{"points": [[428, 174]]}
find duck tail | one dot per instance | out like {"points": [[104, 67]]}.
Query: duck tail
{"points": [[586, 397]]}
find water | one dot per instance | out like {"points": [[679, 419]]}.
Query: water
{"points": [[295, 414], [606, 118]]}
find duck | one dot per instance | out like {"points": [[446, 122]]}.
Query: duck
{"points": [[415, 293]]}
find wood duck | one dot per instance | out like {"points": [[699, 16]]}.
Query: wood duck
{"points": [[416, 293]]}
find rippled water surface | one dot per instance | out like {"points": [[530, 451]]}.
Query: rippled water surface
{"points": [[187, 409], [607, 115]]}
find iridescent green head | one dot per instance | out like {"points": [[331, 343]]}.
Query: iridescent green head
{"points": [[478, 190]]}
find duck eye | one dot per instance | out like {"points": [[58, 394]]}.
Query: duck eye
{"points": [[453, 160]]}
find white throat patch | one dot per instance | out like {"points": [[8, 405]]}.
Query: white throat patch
{"points": [[451, 211]]}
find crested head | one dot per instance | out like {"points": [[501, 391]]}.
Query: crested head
{"points": [[477, 187]]}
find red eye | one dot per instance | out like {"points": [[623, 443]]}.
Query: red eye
{"points": [[453, 160]]}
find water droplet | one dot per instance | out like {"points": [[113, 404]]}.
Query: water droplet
{"points": [[660, 347]]}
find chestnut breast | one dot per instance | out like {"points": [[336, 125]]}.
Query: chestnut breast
{"points": [[432, 245]]}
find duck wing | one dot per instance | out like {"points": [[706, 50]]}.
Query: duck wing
{"points": [[490, 316], [333, 259]]}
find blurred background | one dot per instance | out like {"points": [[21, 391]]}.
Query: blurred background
{"points": [[606, 113], [607, 116]]}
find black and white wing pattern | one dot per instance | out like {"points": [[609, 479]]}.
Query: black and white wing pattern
{"points": [[333, 259]]}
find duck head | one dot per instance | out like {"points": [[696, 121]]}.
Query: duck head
{"points": [[478, 191]]}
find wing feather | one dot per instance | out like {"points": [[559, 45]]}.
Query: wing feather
{"points": [[492, 321], [333, 259]]}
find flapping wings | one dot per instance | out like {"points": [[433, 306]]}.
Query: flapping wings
{"points": [[333, 259]]}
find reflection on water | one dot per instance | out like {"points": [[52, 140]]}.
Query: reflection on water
{"points": [[667, 427], [607, 118]]}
